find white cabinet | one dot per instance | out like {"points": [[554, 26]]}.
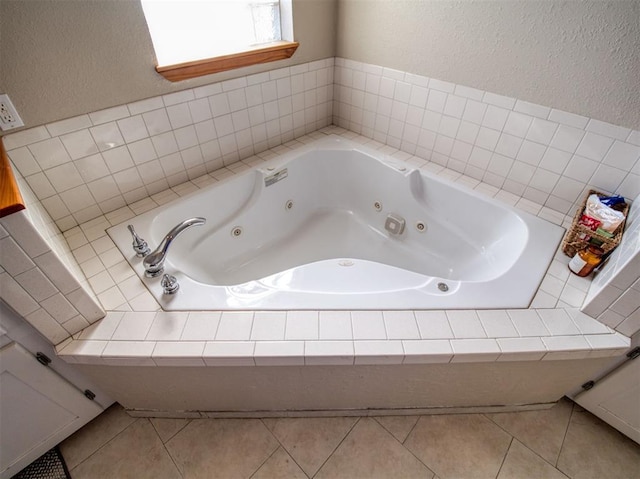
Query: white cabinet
{"points": [[39, 409], [616, 399], [39, 405]]}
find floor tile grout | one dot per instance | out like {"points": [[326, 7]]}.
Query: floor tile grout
{"points": [[283, 448], [105, 444], [270, 456], [554, 464], [504, 458], [564, 437], [337, 447], [507, 450], [164, 446], [411, 431], [174, 434], [535, 456], [406, 448]]}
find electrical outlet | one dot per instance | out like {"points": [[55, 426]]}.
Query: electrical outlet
{"points": [[9, 117]]}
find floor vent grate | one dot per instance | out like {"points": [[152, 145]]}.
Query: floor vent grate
{"points": [[50, 465]]}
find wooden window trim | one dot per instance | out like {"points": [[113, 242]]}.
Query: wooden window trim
{"points": [[10, 198], [262, 54]]}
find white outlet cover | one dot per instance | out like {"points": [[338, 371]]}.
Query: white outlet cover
{"points": [[15, 121]]}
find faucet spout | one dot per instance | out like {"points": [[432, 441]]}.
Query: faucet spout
{"points": [[154, 261]]}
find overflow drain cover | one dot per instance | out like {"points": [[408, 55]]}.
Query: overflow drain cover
{"points": [[346, 262]]}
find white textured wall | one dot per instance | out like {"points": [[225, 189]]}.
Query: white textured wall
{"points": [[578, 56], [64, 58]]}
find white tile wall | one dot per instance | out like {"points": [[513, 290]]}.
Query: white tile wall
{"points": [[330, 353], [37, 284], [534, 157], [335, 325], [279, 353], [84, 167], [269, 325], [124, 154], [614, 295], [236, 353], [301, 325], [545, 155]]}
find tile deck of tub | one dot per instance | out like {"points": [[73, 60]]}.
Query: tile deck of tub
{"points": [[137, 332]]}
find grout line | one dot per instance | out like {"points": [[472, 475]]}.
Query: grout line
{"points": [[281, 445], [405, 439], [175, 433], [270, 456], [106, 443], [564, 438], [382, 425], [552, 464], [535, 453], [505, 455], [411, 430], [164, 446], [338, 446]]}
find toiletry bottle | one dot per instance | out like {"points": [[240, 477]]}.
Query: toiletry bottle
{"points": [[586, 260]]}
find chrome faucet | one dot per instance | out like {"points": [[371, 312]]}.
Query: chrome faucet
{"points": [[140, 246], [154, 261]]}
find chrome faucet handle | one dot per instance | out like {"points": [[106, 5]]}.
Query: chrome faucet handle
{"points": [[169, 284], [154, 262], [140, 246]]}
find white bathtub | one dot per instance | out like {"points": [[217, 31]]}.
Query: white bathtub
{"points": [[307, 231]]}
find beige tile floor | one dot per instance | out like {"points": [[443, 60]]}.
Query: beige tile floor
{"points": [[564, 441]]}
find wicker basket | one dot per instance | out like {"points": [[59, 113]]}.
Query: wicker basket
{"points": [[577, 237]]}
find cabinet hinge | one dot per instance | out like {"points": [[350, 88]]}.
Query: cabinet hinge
{"points": [[43, 359], [634, 353], [588, 385], [90, 394]]}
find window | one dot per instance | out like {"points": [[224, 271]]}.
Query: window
{"points": [[198, 37]]}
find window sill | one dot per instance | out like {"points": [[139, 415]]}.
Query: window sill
{"points": [[270, 53], [10, 197]]}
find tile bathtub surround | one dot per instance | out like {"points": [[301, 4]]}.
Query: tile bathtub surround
{"points": [[135, 331], [614, 296], [84, 167], [52, 278], [133, 338], [38, 285], [547, 156]]}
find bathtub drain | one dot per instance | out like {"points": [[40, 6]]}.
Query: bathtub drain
{"points": [[346, 262]]}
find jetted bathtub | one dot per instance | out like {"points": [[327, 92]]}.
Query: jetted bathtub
{"points": [[333, 225]]}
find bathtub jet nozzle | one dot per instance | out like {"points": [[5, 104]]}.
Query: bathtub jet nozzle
{"points": [[154, 261], [394, 224]]}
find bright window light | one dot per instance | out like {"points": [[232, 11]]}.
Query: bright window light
{"points": [[189, 30]]}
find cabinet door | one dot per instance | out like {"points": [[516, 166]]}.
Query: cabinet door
{"points": [[38, 408], [616, 399]]}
